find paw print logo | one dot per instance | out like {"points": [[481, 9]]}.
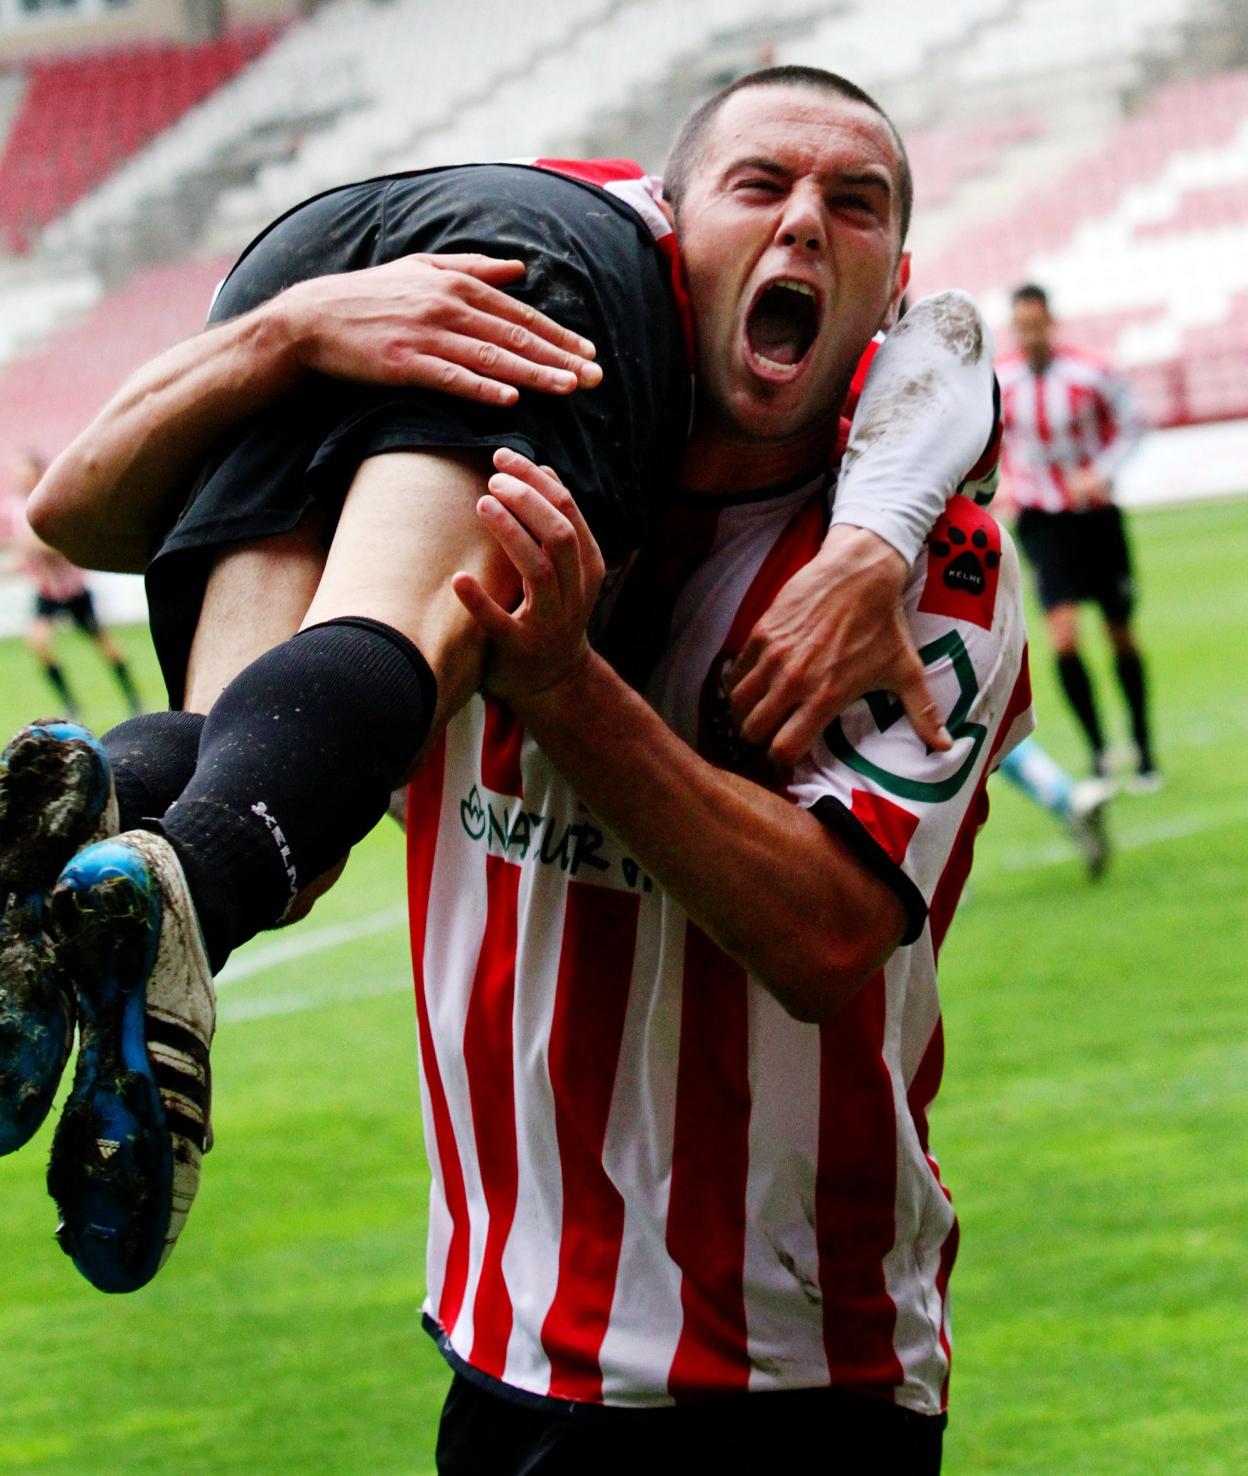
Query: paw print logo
{"points": [[966, 571], [963, 558]]}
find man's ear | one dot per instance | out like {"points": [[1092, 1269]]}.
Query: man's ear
{"points": [[901, 282]]}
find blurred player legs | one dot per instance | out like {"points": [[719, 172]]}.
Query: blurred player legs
{"points": [[1079, 804], [61, 593]]}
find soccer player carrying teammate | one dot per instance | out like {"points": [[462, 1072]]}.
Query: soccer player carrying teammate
{"points": [[679, 1023], [780, 407], [1070, 423]]}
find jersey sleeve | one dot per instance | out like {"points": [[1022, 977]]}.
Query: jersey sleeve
{"points": [[926, 424], [901, 808], [1124, 424]]}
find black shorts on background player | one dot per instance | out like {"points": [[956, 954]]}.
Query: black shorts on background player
{"points": [[592, 265], [79, 608], [1079, 556]]}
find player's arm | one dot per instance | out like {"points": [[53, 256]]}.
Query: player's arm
{"points": [[1123, 413], [774, 887], [435, 322], [925, 417]]}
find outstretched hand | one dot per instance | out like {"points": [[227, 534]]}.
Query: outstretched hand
{"points": [[435, 322], [835, 631], [539, 527]]}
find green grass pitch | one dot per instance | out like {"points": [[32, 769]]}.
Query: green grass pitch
{"points": [[1093, 1127]]}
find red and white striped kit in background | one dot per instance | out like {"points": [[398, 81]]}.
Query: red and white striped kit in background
{"points": [[649, 1182], [1078, 413], [51, 573]]}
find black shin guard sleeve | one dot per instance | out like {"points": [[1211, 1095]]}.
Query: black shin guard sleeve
{"points": [[56, 680], [126, 682], [1130, 669], [1078, 689], [297, 761], [153, 758]]}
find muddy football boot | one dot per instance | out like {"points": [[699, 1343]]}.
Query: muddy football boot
{"points": [[56, 796], [1085, 820], [126, 1154]]}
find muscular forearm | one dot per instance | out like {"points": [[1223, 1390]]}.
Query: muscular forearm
{"points": [[104, 501], [434, 322], [762, 877], [925, 415]]}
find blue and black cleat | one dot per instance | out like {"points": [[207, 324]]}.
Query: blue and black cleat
{"points": [[126, 1154], [56, 796]]}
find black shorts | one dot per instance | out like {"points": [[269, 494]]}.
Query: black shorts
{"points": [[592, 266], [817, 1430], [1080, 556], [78, 608]]}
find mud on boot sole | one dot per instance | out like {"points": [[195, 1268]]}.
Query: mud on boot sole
{"points": [[56, 796], [36, 1025], [125, 1157]]}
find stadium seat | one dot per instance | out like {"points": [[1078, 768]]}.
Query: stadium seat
{"points": [[80, 116]]}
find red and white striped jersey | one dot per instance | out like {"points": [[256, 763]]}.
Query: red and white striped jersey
{"points": [[51, 573], [649, 1182], [1077, 413]]}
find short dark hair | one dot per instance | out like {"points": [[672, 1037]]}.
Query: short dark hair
{"points": [[687, 150], [1032, 292]]}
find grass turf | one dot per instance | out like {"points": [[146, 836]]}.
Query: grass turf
{"points": [[1093, 1125]]}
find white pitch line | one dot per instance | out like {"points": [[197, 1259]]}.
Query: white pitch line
{"points": [[309, 941], [266, 1006], [1179, 827]]}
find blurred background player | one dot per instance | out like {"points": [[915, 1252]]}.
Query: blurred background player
{"points": [[61, 593], [1079, 804], [1070, 423]]}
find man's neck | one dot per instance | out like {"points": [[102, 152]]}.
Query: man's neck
{"points": [[717, 460]]}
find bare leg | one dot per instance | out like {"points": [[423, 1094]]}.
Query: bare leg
{"points": [[41, 642], [409, 523], [257, 595], [303, 734], [107, 646], [1063, 623]]}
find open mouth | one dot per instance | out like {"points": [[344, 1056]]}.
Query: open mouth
{"points": [[781, 326]]}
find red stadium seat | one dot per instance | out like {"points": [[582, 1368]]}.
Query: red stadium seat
{"points": [[89, 113]]}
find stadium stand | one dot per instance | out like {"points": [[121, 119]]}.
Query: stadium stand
{"points": [[1144, 244], [48, 394], [332, 95], [538, 75], [1034, 39], [79, 116], [598, 71], [1102, 149], [878, 45], [944, 157]]}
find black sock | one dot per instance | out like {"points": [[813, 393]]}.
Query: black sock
{"points": [[153, 758], [1074, 678], [1130, 670], [56, 678], [126, 682], [296, 764]]}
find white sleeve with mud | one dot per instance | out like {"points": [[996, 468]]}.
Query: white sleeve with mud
{"points": [[925, 415]]}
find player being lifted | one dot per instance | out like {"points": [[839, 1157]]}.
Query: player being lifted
{"points": [[339, 513]]}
